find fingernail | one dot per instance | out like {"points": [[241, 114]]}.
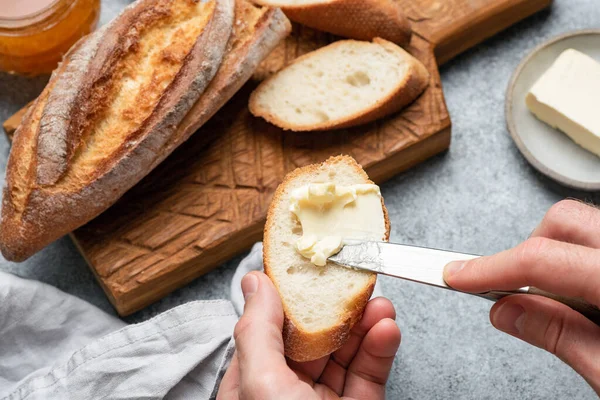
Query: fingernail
{"points": [[249, 285], [509, 318], [453, 268]]}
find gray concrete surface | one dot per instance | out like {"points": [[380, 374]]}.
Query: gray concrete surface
{"points": [[480, 197]]}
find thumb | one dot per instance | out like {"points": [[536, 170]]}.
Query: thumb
{"points": [[554, 327], [258, 339]]}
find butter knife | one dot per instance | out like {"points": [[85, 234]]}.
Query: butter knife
{"points": [[425, 265]]}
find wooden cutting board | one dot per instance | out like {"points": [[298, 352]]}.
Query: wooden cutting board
{"points": [[207, 202]]}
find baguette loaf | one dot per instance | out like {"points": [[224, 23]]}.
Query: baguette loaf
{"points": [[122, 100], [355, 19], [343, 84], [321, 304]]}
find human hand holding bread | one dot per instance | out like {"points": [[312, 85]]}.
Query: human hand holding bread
{"points": [[309, 330], [259, 369]]}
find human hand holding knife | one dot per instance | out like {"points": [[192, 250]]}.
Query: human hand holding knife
{"points": [[560, 261], [426, 265]]}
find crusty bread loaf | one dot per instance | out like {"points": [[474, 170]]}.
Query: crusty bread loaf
{"points": [[355, 19], [122, 100], [343, 84], [321, 304]]}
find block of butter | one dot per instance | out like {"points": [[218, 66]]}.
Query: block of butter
{"points": [[567, 97]]}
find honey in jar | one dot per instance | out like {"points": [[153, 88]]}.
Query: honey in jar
{"points": [[35, 34]]}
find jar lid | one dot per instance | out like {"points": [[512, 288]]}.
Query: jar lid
{"points": [[17, 9]]}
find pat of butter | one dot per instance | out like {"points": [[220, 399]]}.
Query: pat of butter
{"points": [[567, 96], [330, 214]]}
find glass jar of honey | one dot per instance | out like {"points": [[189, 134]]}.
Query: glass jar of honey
{"points": [[35, 34]]}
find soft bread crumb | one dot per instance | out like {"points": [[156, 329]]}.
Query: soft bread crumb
{"points": [[339, 83]]}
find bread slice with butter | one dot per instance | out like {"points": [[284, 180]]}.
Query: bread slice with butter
{"points": [[321, 303], [354, 19], [344, 84]]}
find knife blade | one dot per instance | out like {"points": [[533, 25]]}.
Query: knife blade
{"points": [[417, 264], [426, 266]]}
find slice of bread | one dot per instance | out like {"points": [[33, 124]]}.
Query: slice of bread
{"points": [[321, 304], [344, 84], [354, 19]]}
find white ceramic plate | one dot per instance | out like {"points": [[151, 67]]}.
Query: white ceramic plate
{"points": [[550, 151]]}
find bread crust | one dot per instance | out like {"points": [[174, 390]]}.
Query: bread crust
{"points": [[355, 19], [407, 91], [301, 345], [237, 68], [49, 214]]}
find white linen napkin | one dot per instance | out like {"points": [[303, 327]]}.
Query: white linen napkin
{"points": [[56, 346]]}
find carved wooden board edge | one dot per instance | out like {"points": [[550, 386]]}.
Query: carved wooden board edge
{"points": [[454, 26], [12, 123]]}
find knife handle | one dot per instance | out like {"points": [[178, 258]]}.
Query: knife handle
{"points": [[578, 304]]}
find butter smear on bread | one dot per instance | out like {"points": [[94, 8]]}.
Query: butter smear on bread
{"points": [[330, 214]]}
